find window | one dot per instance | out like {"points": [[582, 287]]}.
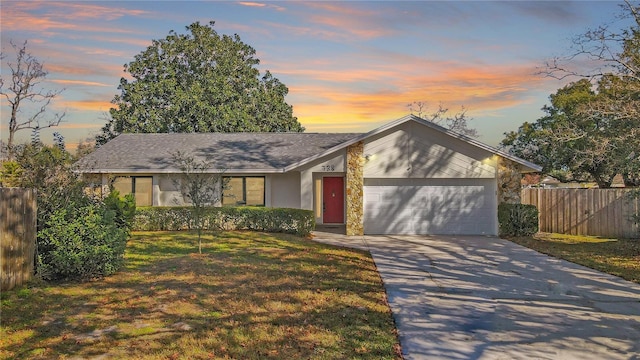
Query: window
{"points": [[244, 190], [140, 186]]}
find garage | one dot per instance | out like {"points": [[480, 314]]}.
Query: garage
{"points": [[430, 206]]}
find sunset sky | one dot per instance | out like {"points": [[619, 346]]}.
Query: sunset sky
{"points": [[349, 66]]}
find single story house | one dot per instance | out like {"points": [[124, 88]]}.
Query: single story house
{"points": [[409, 176]]}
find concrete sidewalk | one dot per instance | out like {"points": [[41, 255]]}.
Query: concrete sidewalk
{"points": [[487, 298]]}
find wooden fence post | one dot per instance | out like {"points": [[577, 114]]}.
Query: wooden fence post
{"points": [[18, 217], [596, 212]]}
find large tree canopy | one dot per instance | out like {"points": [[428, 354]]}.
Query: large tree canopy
{"points": [[198, 82], [575, 136], [592, 125]]}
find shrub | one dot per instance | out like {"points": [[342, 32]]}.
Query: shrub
{"points": [[81, 245], [78, 236], [124, 208], [292, 221], [517, 219], [10, 174]]}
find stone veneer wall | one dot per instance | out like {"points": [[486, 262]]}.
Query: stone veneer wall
{"points": [[355, 186], [509, 177]]}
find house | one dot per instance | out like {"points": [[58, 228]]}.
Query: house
{"points": [[549, 182], [409, 176]]}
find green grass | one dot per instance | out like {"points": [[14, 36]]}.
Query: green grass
{"points": [[248, 296], [620, 257]]}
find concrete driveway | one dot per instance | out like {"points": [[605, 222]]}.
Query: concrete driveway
{"points": [[487, 298]]}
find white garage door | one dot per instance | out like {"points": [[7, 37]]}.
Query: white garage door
{"points": [[430, 206]]}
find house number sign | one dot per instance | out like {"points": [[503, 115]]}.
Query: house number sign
{"points": [[328, 168]]}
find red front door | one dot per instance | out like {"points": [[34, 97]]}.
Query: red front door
{"points": [[332, 200]]}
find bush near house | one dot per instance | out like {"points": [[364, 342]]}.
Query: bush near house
{"points": [[517, 219], [79, 236], [284, 220], [81, 244]]}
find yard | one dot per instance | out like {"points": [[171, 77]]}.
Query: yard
{"points": [[620, 257], [249, 295]]}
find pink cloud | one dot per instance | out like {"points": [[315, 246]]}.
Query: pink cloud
{"points": [[348, 20], [75, 126], [48, 17], [78, 82], [78, 69], [320, 102], [261, 5]]}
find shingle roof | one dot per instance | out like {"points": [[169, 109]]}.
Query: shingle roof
{"points": [[264, 152], [242, 152]]}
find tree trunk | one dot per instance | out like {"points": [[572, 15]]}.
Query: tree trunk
{"points": [[631, 180], [604, 182]]}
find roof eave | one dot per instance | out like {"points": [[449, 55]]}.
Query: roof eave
{"points": [[348, 143], [176, 171], [528, 166]]}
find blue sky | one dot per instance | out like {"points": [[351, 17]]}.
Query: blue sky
{"points": [[349, 66]]}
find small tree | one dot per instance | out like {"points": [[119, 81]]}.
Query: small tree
{"points": [[199, 186], [23, 87]]}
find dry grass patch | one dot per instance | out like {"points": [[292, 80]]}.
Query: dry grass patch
{"points": [[620, 257], [248, 296]]}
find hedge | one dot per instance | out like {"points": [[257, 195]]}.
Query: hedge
{"points": [[292, 221], [517, 219]]}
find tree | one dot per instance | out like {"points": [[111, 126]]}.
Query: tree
{"points": [[23, 89], [198, 186], [458, 122], [614, 56], [616, 111], [570, 138], [198, 82], [608, 49], [85, 147], [592, 124]]}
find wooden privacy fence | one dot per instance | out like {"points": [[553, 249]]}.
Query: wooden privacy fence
{"points": [[17, 236], [596, 212]]}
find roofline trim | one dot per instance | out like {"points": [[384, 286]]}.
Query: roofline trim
{"points": [[532, 167], [167, 171], [349, 142], [472, 141]]}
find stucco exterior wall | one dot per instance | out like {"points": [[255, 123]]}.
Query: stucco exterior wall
{"points": [[166, 193], [331, 165], [354, 189], [285, 190], [509, 178], [412, 150]]}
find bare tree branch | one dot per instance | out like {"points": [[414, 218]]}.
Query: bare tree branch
{"points": [[27, 74], [457, 122], [604, 47]]}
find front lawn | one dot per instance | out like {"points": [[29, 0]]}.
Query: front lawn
{"points": [[248, 296], [620, 257]]}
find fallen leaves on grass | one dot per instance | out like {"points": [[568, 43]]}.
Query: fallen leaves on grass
{"points": [[249, 295]]}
